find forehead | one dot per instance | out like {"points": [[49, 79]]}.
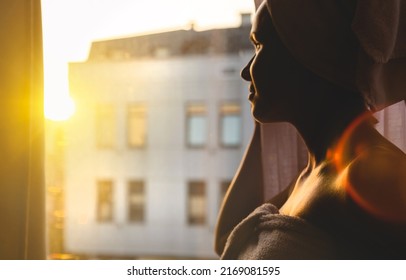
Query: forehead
{"points": [[262, 22]]}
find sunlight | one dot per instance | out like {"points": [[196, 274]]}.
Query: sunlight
{"points": [[59, 108], [102, 110], [66, 40]]}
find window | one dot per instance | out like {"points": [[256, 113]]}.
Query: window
{"points": [[136, 201], [196, 125], [136, 125], [230, 125], [105, 126], [148, 106], [105, 201], [223, 190], [197, 203]]}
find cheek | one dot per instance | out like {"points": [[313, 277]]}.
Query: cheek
{"points": [[259, 76], [261, 73]]}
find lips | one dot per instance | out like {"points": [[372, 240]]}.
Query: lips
{"points": [[252, 92]]}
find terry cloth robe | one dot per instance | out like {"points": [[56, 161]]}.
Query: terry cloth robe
{"points": [[266, 234]]}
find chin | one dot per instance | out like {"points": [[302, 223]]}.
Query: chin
{"points": [[258, 110], [266, 114], [260, 116]]}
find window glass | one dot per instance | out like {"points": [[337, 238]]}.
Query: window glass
{"points": [[136, 125], [154, 97], [136, 201], [230, 118], [105, 201], [197, 203], [147, 82], [196, 125]]}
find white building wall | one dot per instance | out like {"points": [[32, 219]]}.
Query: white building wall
{"points": [[166, 164]]}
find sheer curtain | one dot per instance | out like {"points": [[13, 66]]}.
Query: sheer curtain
{"points": [[284, 153], [392, 124], [22, 211]]}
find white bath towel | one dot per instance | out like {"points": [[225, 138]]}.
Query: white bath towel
{"points": [[360, 45], [265, 234]]}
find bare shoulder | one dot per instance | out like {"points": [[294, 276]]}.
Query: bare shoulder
{"points": [[376, 181]]}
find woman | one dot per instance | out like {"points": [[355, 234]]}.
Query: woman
{"points": [[350, 200]]}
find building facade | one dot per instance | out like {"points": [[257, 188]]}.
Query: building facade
{"points": [[160, 127]]}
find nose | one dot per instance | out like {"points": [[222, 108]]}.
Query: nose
{"points": [[245, 72]]}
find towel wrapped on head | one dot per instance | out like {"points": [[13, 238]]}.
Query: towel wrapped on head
{"points": [[360, 45]]}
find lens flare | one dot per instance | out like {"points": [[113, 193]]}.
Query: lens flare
{"points": [[358, 167]]}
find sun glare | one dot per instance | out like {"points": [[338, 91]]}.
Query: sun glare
{"points": [[59, 109]]}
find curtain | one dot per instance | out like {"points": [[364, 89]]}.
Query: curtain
{"points": [[392, 124], [22, 211], [285, 155]]}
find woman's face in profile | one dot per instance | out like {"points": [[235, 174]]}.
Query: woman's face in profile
{"points": [[273, 92]]}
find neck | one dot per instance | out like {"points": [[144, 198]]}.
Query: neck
{"points": [[322, 131]]}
